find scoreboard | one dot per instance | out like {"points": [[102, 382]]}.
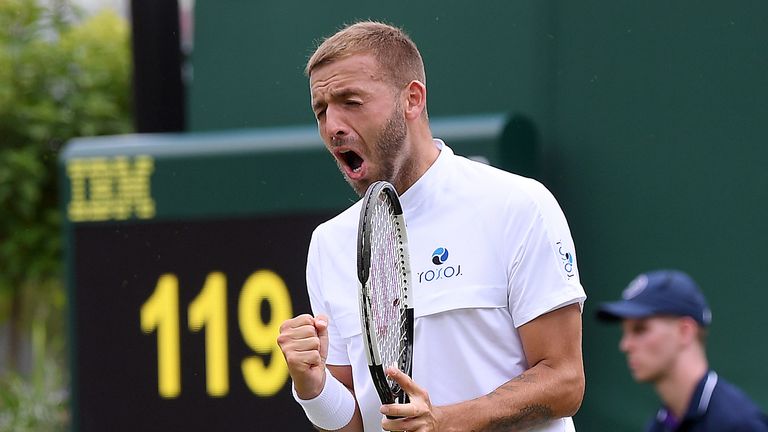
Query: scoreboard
{"points": [[185, 253]]}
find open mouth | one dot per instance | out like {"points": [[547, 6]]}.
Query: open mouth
{"points": [[352, 160]]}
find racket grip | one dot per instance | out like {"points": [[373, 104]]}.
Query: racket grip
{"points": [[402, 399], [394, 417]]}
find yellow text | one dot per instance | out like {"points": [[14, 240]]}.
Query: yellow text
{"points": [[116, 188]]}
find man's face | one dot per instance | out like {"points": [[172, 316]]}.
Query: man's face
{"points": [[361, 121], [651, 345]]}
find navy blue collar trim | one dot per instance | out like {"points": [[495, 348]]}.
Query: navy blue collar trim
{"points": [[700, 400]]}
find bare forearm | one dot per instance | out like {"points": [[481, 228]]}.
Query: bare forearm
{"points": [[535, 397]]}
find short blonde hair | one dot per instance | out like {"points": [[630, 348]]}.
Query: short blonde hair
{"points": [[392, 48]]}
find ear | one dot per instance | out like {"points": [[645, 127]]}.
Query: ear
{"points": [[689, 329], [415, 99]]}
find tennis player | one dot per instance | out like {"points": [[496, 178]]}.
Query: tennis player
{"points": [[497, 296], [665, 318]]}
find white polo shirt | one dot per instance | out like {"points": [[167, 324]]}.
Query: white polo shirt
{"points": [[489, 252]]}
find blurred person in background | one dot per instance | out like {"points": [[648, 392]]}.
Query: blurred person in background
{"points": [[665, 320]]}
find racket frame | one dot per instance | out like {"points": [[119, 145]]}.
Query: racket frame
{"points": [[387, 394]]}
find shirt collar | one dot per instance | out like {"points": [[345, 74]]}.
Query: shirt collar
{"points": [[425, 186], [702, 396], [699, 404]]}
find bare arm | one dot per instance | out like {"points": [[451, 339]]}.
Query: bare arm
{"points": [[552, 387]]}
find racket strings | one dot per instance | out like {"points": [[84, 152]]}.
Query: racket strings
{"points": [[387, 286]]}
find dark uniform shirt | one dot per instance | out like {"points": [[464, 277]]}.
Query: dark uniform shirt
{"points": [[716, 406]]}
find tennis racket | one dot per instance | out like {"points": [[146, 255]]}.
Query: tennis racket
{"points": [[384, 271]]}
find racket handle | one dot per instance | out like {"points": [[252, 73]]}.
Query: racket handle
{"points": [[402, 399]]}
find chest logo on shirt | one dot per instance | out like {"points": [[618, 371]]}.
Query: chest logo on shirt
{"points": [[439, 258], [440, 255]]}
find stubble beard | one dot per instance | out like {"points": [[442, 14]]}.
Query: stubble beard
{"points": [[389, 149]]}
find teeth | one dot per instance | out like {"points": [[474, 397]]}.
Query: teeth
{"points": [[356, 169]]}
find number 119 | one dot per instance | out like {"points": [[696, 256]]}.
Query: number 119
{"points": [[160, 314]]}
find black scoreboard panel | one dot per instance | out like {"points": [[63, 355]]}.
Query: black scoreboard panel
{"points": [[176, 322], [185, 253]]}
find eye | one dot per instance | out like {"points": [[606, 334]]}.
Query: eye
{"points": [[352, 102]]}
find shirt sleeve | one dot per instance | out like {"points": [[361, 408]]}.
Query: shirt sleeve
{"points": [[543, 271], [337, 352]]}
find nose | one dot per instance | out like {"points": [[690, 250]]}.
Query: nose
{"points": [[335, 126], [624, 343]]}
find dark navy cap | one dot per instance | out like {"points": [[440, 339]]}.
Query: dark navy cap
{"points": [[659, 292]]}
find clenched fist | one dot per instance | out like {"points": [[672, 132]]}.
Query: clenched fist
{"points": [[304, 342]]}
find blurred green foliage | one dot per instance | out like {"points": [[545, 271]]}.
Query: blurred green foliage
{"points": [[62, 75], [37, 402]]}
